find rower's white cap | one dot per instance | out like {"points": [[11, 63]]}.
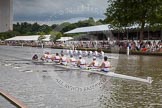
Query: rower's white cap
{"points": [[80, 56], [94, 57]]}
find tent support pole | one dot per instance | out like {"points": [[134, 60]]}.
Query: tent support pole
{"points": [[148, 34], [42, 45], [161, 34]]}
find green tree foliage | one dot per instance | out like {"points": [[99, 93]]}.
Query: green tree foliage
{"points": [[84, 23], [31, 29], [58, 35], [6, 35], [55, 36], [23, 29], [124, 13], [91, 21], [41, 37], [35, 28], [62, 26], [100, 22], [53, 26], [45, 29]]}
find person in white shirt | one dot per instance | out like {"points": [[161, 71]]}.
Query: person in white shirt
{"points": [[105, 66], [71, 52], [94, 63], [80, 52], [63, 60], [75, 52], [95, 53], [90, 53], [62, 52], [72, 60], [67, 51], [85, 53], [81, 62], [56, 58], [47, 57], [44, 56], [102, 53]]}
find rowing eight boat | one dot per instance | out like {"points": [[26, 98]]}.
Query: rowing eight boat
{"points": [[97, 71], [110, 74]]}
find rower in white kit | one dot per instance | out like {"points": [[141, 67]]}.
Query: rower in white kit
{"points": [[62, 52], [46, 57], [85, 53], [63, 60], [90, 53], [67, 52], [49, 57], [72, 60], [75, 52], [94, 63], [71, 52], [105, 66], [102, 53], [95, 53], [81, 62], [80, 52], [56, 58]]}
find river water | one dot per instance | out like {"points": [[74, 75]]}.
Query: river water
{"points": [[49, 86]]}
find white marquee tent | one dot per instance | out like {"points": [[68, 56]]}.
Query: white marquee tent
{"points": [[98, 28], [65, 39], [28, 38]]}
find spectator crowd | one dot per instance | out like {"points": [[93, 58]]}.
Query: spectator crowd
{"points": [[134, 45], [143, 46]]}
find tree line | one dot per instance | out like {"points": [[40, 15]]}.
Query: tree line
{"points": [[25, 29]]}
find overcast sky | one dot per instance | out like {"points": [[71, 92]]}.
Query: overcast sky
{"points": [[58, 10]]}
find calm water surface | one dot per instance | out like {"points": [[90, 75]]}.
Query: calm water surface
{"points": [[48, 86]]}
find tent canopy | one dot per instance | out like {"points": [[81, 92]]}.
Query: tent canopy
{"points": [[28, 38], [98, 28], [65, 39], [47, 38]]}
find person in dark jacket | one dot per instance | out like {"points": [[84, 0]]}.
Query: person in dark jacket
{"points": [[35, 57]]}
